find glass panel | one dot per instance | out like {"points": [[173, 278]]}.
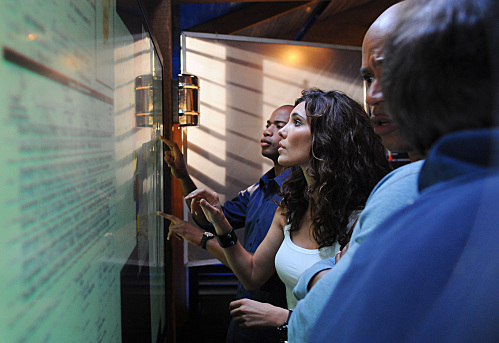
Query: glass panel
{"points": [[81, 170]]}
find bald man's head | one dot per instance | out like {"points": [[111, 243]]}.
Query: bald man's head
{"points": [[270, 140], [437, 74], [372, 60], [385, 23]]}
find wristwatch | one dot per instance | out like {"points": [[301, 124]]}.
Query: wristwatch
{"points": [[206, 236], [282, 331]]}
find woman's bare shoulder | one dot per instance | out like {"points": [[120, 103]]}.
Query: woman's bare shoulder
{"points": [[280, 217]]}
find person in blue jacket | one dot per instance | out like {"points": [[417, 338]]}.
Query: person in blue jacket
{"points": [[252, 209], [396, 190], [431, 275]]}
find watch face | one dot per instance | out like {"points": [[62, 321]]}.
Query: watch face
{"points": [[206, 236]]}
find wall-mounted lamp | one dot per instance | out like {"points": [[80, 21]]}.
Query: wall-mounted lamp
{"points": [[187, 108]]}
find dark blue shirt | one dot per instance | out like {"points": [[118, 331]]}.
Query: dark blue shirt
{"points": [[254, 209], [432, 273]]}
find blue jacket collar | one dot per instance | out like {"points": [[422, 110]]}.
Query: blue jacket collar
{"points": [[460, 153]]}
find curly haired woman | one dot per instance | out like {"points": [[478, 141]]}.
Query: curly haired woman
{"points": [[336, 160]]}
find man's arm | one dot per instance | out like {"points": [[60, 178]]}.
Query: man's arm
{"points": [[175, 161], [193, 235], [309, 277], [313, 274]]}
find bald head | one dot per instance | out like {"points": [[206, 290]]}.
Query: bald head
{"points": [[372, 60], [385, 23], [437, 73], [271, 139]]}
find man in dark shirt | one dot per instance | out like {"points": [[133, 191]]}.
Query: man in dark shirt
{"points": [[431, 274], [253, 209]]}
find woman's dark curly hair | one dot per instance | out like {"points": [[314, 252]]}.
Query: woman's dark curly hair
{"points": [[347, 160]]}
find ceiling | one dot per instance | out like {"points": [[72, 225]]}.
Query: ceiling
{"points": [[342, 22]]}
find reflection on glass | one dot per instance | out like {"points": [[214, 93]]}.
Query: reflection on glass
{"points": [[81, 176]]}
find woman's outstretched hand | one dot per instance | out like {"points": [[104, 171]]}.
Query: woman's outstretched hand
{"points": [[206, 201], [209, 203], [254, 314]]}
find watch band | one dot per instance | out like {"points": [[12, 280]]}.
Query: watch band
{"points": [[227, 240], [206, 236], [282, 331]]}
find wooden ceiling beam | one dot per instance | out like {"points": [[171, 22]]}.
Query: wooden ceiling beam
{"points": [[248, 16], [343, 22], [347, 27], [179, 2]]}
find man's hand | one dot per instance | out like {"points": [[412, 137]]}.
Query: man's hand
{"points": [[253, 314], [182, 229], [175, 159], [340, 253]]}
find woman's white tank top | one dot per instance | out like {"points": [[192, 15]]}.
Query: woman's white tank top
{"points": [[292, 260]]}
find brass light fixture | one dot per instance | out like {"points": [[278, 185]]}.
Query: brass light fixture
{"points": [[188, 100]]}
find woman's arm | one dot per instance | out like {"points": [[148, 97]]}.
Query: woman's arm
{"points": [[253, 270], [254, 314]]}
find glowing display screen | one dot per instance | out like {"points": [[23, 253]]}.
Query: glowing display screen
{"points": [[80, 166]]}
